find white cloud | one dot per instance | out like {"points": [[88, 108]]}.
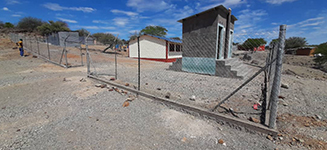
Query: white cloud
{"points": [[183, 13], [248, 19], [94, 27], [57, 7], [308, 22], [278, 1], [128, 13], [10, 2], [148, 5], [313, 29], [226, 3], [120, 21], [101, 21], [15, 15], [5, 9], [133, 31], [114, 33], [67, 20]]}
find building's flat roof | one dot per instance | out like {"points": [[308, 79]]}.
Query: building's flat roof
{"points": [[215, 8]]}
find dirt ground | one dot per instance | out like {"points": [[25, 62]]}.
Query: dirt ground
{"points": [[44, 106]]}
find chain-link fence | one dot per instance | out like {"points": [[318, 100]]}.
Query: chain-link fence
{"points": [[231, 74], [63, 49]]}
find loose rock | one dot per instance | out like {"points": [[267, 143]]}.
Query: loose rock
{"points": [[98, 85], [168, 95], [112, 79], [285, 86], [127, 84], [221, 141], [126, 104], [270, 138], [192, 98], [158, 89], [254, 120], [184, 139], [318, 117]]}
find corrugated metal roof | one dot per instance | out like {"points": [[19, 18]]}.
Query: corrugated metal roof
{"points": [[166, 39]]}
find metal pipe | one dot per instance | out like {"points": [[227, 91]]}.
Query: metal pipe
{"points": [[139, 64]]}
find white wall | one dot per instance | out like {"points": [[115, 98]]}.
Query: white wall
{"points": [[150, 48]]}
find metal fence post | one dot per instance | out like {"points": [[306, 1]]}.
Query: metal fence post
{"points": [[48, 47], [87, 56], [139, 64], [115, 58], [38, 47], [277, 78]]}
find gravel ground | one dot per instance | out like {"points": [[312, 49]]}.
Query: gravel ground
{"points": [[47, 107], [44, 106]]}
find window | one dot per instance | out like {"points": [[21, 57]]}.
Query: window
{"points": [[171, 47], [178, 48]]}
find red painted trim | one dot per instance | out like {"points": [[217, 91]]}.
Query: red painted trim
{"points": [[166, 49], [158, 59]]}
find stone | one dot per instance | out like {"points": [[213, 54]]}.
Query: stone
{"points": [[270, 138], [82, 80], [318, 117], [285, 86], [98, 85], [146, 83], [158, 89], [184, 139], [221, 141], [112, 79], [255, 62], [103, 86], [280, 138], [301, 140], [192, 98], [127, 84], [247, 57], [254, 120], [168, 95], [126, 104], [111, 90], [285, 104]]}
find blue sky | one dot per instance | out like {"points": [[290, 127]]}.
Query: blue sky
{"points": [[305, 18]]}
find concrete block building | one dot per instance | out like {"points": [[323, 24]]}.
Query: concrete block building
{"points": [[207, 43]]}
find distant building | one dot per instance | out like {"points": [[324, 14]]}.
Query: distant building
{"points": [[156, 48], [71, 38], [304, 51]]}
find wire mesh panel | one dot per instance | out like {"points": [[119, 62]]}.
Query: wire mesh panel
{"points": [[227, 74], [66, 53]]}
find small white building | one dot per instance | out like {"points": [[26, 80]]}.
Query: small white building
{"points": [[156, 48]]}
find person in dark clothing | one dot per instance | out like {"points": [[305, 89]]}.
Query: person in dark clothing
{"points": [[21, 49]]}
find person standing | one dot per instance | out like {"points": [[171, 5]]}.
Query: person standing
{"points": [[21, 49]]}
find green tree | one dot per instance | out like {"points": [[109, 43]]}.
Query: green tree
{"points": [[134, 35], [83, 32], [29, 24], [252, 43], [322, 49], [52, 27], [107, 38], [155, 30], [1, 24], [273, 42], [295, 42], [8, 25], [176, 38]]}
